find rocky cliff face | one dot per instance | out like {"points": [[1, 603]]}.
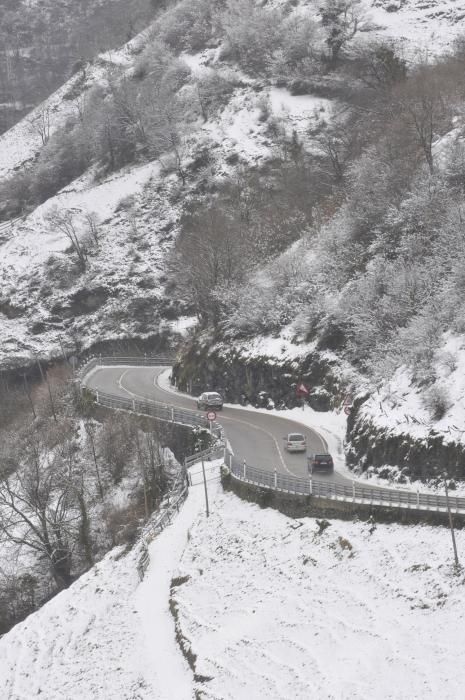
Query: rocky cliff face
{"points": [[262, 381]]}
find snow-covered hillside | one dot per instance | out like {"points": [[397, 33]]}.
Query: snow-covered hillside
{"points": [[120, 294], [268, 606], [426, 28], [352, 612]]}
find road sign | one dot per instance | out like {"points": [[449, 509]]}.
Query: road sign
{"points": [[302, 389], [211, 415], [347, 410]]}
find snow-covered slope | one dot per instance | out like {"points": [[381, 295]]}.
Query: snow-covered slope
{"points": [[43, 298], [400, 405], [85, 643], [424, 28], [268, 607], [270, 604], [109, 635]]}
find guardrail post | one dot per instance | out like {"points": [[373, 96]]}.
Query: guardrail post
{"points": [[353, 491], [96, 396], [172, 414], [244, 470], [418, 498], [311, 485], [275, 479], [230, 460]]}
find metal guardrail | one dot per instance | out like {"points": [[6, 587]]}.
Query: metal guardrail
{"points": [[123, 361], [146, 407], [354, 493], [171, 505], [164, 412]]}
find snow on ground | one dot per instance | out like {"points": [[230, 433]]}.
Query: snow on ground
{"points": [[277, 349], [299, 110], [171, 672], [269, 606], [107, 636], [401, 406], [33, 238], [238, 128], [23, 141], [40, 276], [84, 644], [275, 610], [422, 28]]}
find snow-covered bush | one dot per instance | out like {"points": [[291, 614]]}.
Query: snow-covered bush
{"points": [[253, 34], [437, 401], [188, 26]]}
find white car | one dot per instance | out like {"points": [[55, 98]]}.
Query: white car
{"points": [[296, 442]]}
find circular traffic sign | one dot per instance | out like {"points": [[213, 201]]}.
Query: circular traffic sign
{"points": [[347, 410], [211, 415]]}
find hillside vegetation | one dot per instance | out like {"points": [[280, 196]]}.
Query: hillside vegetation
{"points": [[43, 42], [285, 169]]}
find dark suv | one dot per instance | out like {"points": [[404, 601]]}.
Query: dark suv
{"points": [[321, 462], [210, 399]]}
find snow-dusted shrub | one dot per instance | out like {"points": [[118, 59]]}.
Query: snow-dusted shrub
{"points": [[214, 90], [437, 401], [298, 57], [154, 60], [253, 34], [188, 26]]}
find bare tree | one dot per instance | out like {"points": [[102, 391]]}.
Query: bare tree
{"points": [[92, 226], [36, 508], [64, 221], [41, 125], [421, 104], [342, 19]]}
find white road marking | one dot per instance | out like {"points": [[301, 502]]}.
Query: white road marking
{"points": [[227, 418]]}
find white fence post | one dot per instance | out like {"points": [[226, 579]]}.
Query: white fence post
{"points": [[311, 486], [244, 469], [418, 498], [134, 405], [96, 396]]}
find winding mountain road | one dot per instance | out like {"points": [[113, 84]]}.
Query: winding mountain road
{"points": [[254, 437]]}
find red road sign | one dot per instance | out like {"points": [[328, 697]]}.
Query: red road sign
{"points": [[302, 389], [347, 410], [211, 416]]}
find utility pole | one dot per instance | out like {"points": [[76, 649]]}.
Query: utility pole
{"points": [[205, 488], [45, 380], [28, 393], [62, 349], [451, 524]]}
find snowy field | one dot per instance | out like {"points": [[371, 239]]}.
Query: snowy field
{"points": [[275, 610], [269, 607]]}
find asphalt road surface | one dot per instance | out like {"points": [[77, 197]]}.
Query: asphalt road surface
{"points": [[256, 437]]}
